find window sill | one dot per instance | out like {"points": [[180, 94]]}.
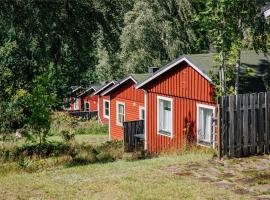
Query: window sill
{"points": [[105, 116], [205, 144], [165, 133]]}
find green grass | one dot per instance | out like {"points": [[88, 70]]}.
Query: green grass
{"points": [[143, 179], [89, 139]]}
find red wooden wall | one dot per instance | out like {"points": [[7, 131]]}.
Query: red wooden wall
{"points": [[93, 101], [132, 98], [187, 88]]}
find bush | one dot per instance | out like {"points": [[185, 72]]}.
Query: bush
{"points": [[62, 121], [67, 136], [44, 150], [106, 152]]}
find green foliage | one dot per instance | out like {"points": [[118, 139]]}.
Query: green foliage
{"points": [[63, 122], [156, 32]]}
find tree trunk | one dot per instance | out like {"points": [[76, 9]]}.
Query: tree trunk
{"points": [[238, 63]]}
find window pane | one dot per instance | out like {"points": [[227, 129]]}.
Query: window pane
{"points": [[165, 116], [205, 125]]}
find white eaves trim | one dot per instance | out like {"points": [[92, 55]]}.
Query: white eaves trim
{"points": [[86, 91], [130, 77], [170, 67], [102, 88]]}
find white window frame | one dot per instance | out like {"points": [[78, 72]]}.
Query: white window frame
{"points": [[141, 108], [85, 106], [213, 136], [76, 103], [104, 108], [158, 114], [117, 114]]}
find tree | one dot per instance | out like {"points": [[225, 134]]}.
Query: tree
{"points": [[157, 31], [230, 24]]}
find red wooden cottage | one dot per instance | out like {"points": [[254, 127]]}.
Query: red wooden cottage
{"points": [[89, 101], [73, 103], [104, 103], [178, 97], [126, 104]]}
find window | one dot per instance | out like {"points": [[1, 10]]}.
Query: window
{"points": [[86, 106], [68, 101], [164, 110], [142, 113], [76, 104], [205, 128], [120, 111], [106, 108]]}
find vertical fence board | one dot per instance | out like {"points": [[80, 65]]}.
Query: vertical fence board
{"points": [[244, 124], [231, 126], [239, 127], [267, 122], [253, 124], [224, 126], [261, 123]]}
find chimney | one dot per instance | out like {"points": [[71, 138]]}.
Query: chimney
{"points": [[152, 70]]}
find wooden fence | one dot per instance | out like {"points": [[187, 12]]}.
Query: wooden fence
{"points": [[84, 114], [244, 124], [132, 128]]}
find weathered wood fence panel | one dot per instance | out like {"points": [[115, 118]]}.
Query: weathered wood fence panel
{"points": [[244, 124], [132, 128], [84, 114]]}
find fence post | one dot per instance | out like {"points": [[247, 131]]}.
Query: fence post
{"points": [[219, 102]]}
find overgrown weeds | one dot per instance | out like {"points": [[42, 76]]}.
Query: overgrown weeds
{"points": [[62, 122]]}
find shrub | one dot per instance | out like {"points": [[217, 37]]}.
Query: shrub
{"points": [[106, 152], [67, 136], [44, 150], [62, 121]]}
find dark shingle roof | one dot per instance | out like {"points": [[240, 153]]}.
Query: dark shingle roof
{"points": [[139, 77], [91, 89]]}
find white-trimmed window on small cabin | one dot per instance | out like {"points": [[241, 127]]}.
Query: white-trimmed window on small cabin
{"points": [[86, 106], [76, 104], [141, 113], [106, 108], [205, 125], [120, 112], [164, 116]]}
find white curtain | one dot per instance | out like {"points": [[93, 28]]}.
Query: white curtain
{"points": [[205, 124]]}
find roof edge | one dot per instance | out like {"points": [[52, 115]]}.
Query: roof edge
{"points": [[172, 65], [104, 86], [118, 84]]}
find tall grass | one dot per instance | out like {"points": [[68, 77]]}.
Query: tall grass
{"points": [[63, 122]]}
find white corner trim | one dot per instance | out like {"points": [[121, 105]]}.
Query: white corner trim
{"points": [[104, 110], [110, 119], [145, 120], [170, 67], [117, 114], [197, 124], [118, 84], [158, 114]]}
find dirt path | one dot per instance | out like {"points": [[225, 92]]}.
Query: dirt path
{"points": [[249, 177]]}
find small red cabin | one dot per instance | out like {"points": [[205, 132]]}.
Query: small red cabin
{"points": [[179, 106], [73, 103], [126, 104], [104, 103], [89, 101]]}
